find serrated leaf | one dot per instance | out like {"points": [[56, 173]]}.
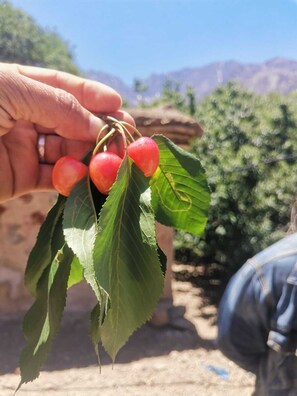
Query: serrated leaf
{"points": [[126, 258], [97, 317], [42, 321], [80, 229], [180, 193], [76, 273], [42, 253], [95, 326], [163, 259]]}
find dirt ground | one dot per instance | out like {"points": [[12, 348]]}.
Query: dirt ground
{"points": [[178, 359]]}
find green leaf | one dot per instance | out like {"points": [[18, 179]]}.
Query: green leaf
{"points": [[42, 253], [163, 259], [180, 193], [96, 322], [126, 258], [76, 273], [97, 317], [80, 230], [42, 321]]}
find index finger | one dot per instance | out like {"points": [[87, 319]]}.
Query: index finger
{"points": [[93, 95]]}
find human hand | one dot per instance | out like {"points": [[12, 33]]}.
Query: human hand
{"points": [[58, 105]]}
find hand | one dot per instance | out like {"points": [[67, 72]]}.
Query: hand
{"points": [[36, 101]]}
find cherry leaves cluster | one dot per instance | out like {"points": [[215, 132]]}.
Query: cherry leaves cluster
{"points": [[104, 165]]}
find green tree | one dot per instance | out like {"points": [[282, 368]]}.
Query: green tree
{"points": [[171, 93], [249, 150], [277, 137], [191, 100], [23, 41], [139, 86]]}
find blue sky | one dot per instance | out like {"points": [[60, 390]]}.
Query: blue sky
{"points": [[135, 38]]}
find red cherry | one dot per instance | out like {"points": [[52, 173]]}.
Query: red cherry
{"points": [[66, 173], [104, 168], [145, 153]]}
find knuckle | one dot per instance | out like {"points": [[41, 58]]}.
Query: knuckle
{"points": [[67, 101], [72, 114], [9, 97]]}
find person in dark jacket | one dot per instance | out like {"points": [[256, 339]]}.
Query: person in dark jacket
{"points": [[257, 320]]}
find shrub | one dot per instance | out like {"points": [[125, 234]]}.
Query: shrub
{"points": [[249, 151]]}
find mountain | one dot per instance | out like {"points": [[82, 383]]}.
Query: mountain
{"points": [[275, 75]]}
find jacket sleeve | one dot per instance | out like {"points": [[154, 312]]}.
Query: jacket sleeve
{"points": [[242, 336], [283, 334]]}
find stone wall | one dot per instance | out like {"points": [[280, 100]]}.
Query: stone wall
{"points": [[20, 220]]}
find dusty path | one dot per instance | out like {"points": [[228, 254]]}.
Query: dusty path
{"points": [[179, 360]]}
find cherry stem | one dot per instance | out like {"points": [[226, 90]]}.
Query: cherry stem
{"points": [[103, 140], [123, 124], [126, 124], [101, 131], [116, 126], [121, 130], [126, 131]]}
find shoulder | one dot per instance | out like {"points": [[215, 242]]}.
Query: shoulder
{"points": [[276, 262], [285, 248], [262, 277]]}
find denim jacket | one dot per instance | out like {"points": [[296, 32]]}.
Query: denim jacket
{"points": [[257, 320]]}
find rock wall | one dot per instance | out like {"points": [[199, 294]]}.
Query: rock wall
{"points": [[20, 220]]}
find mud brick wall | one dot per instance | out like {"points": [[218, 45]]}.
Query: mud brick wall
{"points": [[20, 220]]}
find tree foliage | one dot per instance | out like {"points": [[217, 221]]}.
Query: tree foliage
{"points": [[171, 93], [249, 151], [23, 41]]}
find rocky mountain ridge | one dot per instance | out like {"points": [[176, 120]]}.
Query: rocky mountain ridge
{"points": [[275, 75]]}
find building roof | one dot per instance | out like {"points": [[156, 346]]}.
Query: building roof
{"points": [[165, 120]]}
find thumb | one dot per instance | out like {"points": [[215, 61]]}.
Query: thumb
{"points": [[22, 98]]}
